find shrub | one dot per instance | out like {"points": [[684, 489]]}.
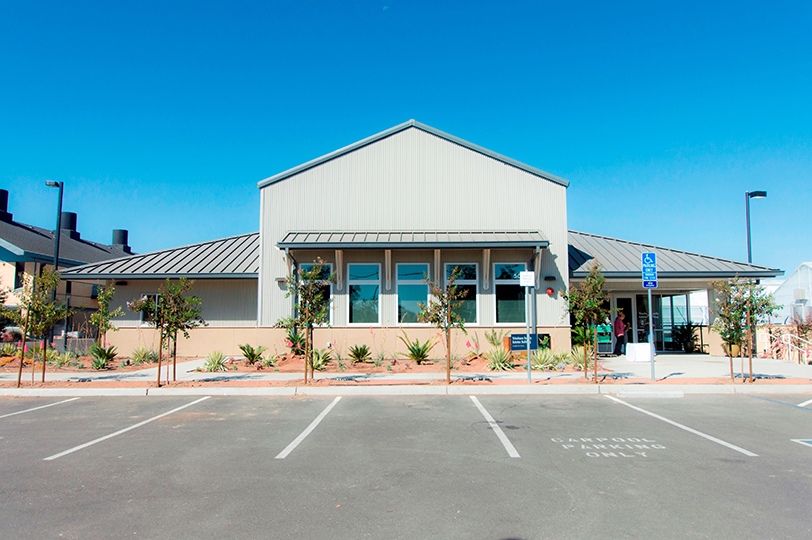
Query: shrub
{"points": [[320, 358], [684, 335], [269, 361], [62, 360], [296, 342], [216, 361], [359, 353], [101, 356], [8, 349], [419, 352], [545, 360], [576, 357], [496, 339], [499, 359], [252, 355], [142, 355]]}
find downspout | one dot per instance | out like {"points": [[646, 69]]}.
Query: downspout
{"points": [[294, 271]]}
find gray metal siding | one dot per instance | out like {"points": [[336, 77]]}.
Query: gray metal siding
{"points": [[412, 180], [225, 302]]}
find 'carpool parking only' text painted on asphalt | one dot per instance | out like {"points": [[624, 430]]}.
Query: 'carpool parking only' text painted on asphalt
{"points": [[610, 447]]}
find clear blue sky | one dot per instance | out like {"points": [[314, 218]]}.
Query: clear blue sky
{"points": [[161, 117]]}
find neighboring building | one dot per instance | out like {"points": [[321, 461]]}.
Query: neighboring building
{"points": [[793, 295], [25, 250], [382, 213]]}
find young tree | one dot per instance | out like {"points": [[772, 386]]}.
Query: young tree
{"points": [[312, 306], [171, 312], [442, 311], [586, 303], [37, 313], [101, 317], [741, 305]]}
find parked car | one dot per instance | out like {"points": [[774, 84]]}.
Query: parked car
{"points": [[11, 333]]}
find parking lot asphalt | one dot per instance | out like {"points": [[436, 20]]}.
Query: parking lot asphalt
{"points": [[717, 466]]}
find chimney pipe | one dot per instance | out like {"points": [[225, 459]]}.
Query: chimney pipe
{"points": [[120, 237], [4, 215], [69, 225]]}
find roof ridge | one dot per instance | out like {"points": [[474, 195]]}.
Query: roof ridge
{"points": [[671, 249]]}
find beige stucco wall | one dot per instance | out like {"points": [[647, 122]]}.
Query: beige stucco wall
{"points": [[380, 340]]}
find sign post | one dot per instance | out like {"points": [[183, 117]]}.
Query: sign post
{"points": [[528, 281], [649, 268]]}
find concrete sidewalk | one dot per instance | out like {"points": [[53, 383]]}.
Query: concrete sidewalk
{"points": [[668, 367]]}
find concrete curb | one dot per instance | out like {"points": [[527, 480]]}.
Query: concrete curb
{"points": [[635, 391]]}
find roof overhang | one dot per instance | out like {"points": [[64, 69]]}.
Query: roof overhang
{"points": [[123, 277], [299, 240]]}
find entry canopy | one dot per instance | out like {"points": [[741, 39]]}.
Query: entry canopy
{"points": [[413, 240]]}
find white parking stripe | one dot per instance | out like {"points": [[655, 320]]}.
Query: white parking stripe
{"points": [[686, 428], [38, 408], [496, 429], [284, 453], [804, 404], [125, 430]]}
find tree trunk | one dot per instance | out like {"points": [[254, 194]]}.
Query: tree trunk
{"points": [[22, 357], [749, 343], [586, 358], [730, 357], [175, 359], [44, 354], [595, 352], [160, 355]]}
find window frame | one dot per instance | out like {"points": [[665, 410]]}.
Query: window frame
{"points": [[141, 321], [399, 282], [475, 282], [496, 283], [329, 267], [351, 282]]}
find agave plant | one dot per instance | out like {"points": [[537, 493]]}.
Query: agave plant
{"points": [[215, 361], [576, 357], [544, 359], [320, 358], [252, 355], [359, 353], [101, 356], [8, 349], [499, 359], [419, 352], [142, 355]]}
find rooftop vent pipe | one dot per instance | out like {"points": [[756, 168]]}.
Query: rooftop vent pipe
{"points": [[4, 215], [120, 240], [69, 225]]}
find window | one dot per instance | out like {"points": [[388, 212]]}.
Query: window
{"points": [[364, 285], [412, 291], [509, 294], [19, 271], [146, 317], [327, 287], [467, 282]]}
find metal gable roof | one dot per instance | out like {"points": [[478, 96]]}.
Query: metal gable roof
{"points": [[232, 257], [411, 239], [27, 242], [621, 259], [406, 125]]}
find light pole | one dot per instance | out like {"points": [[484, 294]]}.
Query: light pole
{"points": [[57, 234], [747, 196]]}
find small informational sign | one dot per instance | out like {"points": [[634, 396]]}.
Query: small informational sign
{"points": [[518, 342], [527, 279], [649, 268]]}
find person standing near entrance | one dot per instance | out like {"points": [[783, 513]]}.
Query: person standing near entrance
{"points": [[620, 333]]}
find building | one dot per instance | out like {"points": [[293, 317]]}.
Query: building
{"points": [[25, 250], [383, 213], [793, 295]]}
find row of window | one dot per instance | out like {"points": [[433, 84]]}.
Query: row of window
{"points": [[364, 291]]}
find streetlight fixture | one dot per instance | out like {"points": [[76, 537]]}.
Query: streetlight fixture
{"points": [[747, 196], [57, 233]]}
